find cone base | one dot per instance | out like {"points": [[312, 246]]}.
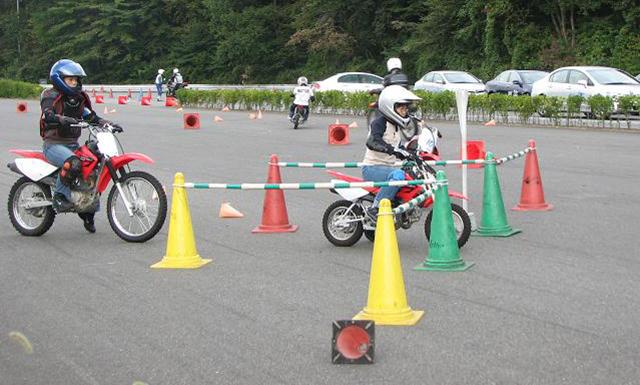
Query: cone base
{"points": [[275, 229], [431, 266], [194, 262], [506, 231], [402, 318], [532, 207]]}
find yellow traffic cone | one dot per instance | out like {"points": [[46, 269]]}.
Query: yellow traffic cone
{"points": [[387, 302], [226, 211], [181, 244]]}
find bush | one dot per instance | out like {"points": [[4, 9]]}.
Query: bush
{"points": [[19, 90], [601, 106]]}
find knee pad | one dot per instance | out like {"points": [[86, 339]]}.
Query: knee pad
{"points": [[396, 175], [71, 169]]}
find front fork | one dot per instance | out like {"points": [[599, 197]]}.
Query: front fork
{"points": [[117, 178]]}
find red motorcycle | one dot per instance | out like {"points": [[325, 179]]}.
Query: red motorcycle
{"points": [[136, 205], [344, 221]]}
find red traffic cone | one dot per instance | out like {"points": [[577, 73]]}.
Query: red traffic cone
{"points": [[274, 209], [169, 102], [99, 99], [532, 195], [145, 101], [191, 121], [338, 134], [21, 107], [123, 99]]}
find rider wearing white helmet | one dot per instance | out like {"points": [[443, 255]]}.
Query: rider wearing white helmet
{"points": [[395, 76], [302, 94], [387, 135]]}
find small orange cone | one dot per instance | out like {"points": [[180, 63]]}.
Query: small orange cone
{"points": [[106, 110], [112, 111], [21, 107], [259, 114], [252, 116], [353, 125], [99, 99], [178, 109], [225, 109], [226, 211], [532, 195], [217, 119], [145, 101], [337, 121], [490, 123]]}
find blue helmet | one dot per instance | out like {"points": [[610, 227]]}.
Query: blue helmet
{"points": [[63, 68]]}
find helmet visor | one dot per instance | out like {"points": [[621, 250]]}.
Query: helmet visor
{"points": [[72, 69]]}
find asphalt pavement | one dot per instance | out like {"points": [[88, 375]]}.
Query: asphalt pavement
{"points": [[557, 304]]}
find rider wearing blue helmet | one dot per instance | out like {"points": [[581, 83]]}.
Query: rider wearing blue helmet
{"points": [[64, 106]]}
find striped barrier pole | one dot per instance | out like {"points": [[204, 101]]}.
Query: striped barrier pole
{"points": [[304, 186], [507, 158]]}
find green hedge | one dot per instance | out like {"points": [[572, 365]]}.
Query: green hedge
{"points": [[19, 90], [440, 105]]}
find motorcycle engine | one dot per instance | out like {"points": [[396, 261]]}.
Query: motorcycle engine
{"points": [[83, 193], [410, 217]]}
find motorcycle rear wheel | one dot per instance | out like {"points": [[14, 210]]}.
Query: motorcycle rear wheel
{"points": [[149, 207], [461, 223], [30, 222], [342, 236]]}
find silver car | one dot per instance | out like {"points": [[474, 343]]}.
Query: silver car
{"points": [[438, 81], [586, 81]]}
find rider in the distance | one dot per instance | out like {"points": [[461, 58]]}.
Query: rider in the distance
{"points": [[64, 106]]}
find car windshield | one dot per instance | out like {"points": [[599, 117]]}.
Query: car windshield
{"points": [[611, 77], [460, 77], [530, 77]]}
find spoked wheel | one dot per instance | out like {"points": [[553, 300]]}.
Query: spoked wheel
{"points": [[27, 217], [148, 203], [296, 120], [461, 223], [342, 224]]}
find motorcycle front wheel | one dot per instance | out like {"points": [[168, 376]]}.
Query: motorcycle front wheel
{"points": [[148, 203], [31, 222], [342, 226], [461, 223], [296, 120]]}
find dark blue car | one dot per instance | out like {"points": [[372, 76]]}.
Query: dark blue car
{"points": [[514, 82]]}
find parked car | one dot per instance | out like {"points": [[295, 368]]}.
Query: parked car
{"points": [[349, 82], [586, 81], [514, 82], [638, 77], [438, 81]]}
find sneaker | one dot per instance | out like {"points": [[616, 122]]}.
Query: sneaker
{"points": [[61, 204], [371, 213], [87, 219]]}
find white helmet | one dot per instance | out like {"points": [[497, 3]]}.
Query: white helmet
{"points": [[160, 71], [302, 81], [175, 70], [394, 63], [389, 98]]}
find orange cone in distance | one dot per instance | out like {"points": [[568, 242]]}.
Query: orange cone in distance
{"points": [[145, 101], [99, 99], [532, 195], [21, 107], [252, 116], [191, 121], [490, 123], [259, 115], [353, 125], [106, 110], [225, 109], [123, 99], [338, 134], [226, 211], [217, 119]]}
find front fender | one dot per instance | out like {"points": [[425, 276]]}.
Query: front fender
{"points": [[118, 162]]}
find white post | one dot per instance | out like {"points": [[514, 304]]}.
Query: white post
{"points": [[462, 99]]}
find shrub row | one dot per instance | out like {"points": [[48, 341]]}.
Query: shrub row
{"points": [[19, 90], [441, 105]]}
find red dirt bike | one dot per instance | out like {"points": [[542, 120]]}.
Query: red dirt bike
{"points": [[137, 203], [344, 222]]}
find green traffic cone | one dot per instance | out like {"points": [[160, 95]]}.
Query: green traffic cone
{"points": [[494, 217], [444, 254]]}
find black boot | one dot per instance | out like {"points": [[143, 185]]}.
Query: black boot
{"points": [[60, 203], [87, 219]]}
